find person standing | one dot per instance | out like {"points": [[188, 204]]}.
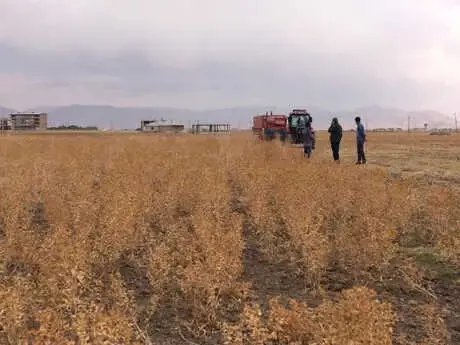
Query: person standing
{"points": [[301, 128], [335, 136], [309, 141], [360, 140]]}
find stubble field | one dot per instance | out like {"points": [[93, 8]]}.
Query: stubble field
{"points": [[145, 239]]}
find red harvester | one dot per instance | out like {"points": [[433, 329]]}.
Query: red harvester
{"points": [[270, 126]]}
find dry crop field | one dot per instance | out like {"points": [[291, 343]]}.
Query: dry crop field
{"points": [[145, 239]]}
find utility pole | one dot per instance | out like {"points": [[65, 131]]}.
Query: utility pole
{"points": [[408, 123], [455, 119]]}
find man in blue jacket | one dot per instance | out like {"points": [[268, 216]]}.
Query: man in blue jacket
{"points": [[360, 140]]}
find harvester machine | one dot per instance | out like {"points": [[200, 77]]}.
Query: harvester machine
{"points": [[270, 126]]}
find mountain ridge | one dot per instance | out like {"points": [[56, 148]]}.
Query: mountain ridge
{"points": [[109, 116]]}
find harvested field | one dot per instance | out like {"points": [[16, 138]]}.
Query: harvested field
{"points": [[144, 239]]}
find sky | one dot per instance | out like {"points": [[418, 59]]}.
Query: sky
{"points": [[202, 54]]}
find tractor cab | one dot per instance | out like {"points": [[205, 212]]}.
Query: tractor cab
{"points": [[298, 121]]}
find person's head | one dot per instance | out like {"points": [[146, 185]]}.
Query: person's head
{"points": [[335, 120], [357, 119]]}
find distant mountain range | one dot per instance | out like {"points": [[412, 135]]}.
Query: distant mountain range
{"points": [[110, 117], [4, 112]]}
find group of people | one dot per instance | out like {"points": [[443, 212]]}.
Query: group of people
{"points": [[335, 137]]}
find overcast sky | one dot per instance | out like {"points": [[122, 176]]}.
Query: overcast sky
{"points": [[337, 54]]}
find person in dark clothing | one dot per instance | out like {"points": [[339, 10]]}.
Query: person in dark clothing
{"points": [[360, 140], [335, 134], [309, 141]]}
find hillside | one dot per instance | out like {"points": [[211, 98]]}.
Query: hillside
{"points": [[4, 111], [106, 116]]}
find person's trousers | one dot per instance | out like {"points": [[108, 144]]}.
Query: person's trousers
{"points": [[360, 149], [335, 151], [307, 150]]}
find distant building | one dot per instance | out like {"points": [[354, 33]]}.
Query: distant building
{"points": [[29, 121], [418, 129], [154, 126], [387, 130]]}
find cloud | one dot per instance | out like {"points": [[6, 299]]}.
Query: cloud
{"points": [[205, 53]]}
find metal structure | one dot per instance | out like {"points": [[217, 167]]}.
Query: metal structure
{"points": [[210, 128], [28, 121], [455, 120]]}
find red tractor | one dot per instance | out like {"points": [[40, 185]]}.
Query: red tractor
{"points": [[269, 126]]}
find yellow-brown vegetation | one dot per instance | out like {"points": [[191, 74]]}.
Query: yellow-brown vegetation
{"points": [[144, 239]]}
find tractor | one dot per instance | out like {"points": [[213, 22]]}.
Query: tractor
{"points": [[298, 121]]}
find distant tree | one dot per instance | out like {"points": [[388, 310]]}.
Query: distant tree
{"points": [[73, 128]]}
